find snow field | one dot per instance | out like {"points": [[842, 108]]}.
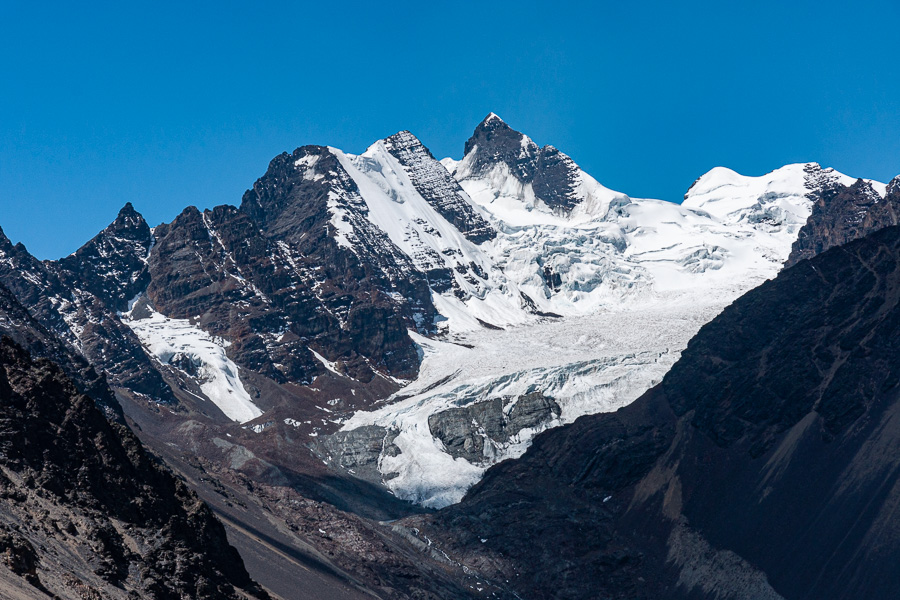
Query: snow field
{"points": [[218, 376]]}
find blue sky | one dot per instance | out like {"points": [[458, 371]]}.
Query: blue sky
{"points": [[172, 104]]}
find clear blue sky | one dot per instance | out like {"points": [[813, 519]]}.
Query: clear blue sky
{"points": [[167, 105]]}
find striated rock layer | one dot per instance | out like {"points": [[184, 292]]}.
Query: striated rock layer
{"points": [[844, 213]]}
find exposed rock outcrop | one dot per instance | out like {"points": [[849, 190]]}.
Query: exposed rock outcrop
{"points": [[438, 187], [61, 297], [17, 324], [842, 214], [552, 174], [113, 265], [472, 431], [84, 506], [364, 293]]}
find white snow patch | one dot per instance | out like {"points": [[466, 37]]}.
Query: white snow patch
{"points": [[166, 338], [340, 221], [327, 363]]}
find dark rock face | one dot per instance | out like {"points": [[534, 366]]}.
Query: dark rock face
{"points": [[359, 449], [761, 467], [364, 292], [217, 266], [58, 295], [553, 175], [438, 187], [36, 287], [84, 506], [497, 142], [842, 214], [470, 432], [836, 370], [113, 265], [554, 179], [18, 324]]}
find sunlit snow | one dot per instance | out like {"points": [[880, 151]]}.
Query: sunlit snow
{"points": [[166, 338], [637, 279]]}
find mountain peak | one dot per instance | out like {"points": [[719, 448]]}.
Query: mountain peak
{"points": [[122, 247], [553, 175], [894, 185], [494, 131], [493, 118], [404, 139], [493, 141], [128, 210], [129, 219]]}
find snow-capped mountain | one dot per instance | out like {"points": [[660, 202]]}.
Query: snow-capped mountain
{"points": [[590, 298], [387, 322], [414, 320]]}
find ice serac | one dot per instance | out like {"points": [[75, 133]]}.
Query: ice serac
{"points": [[473, 307], [414, 323], [782, 198], [438, 187]]}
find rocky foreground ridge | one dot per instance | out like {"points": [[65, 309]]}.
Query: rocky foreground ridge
{"points": [[85, 511], [761, 467]]}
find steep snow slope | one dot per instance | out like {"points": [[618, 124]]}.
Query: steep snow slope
{"points": [[596, 297], [411, 222], [179, 343]]}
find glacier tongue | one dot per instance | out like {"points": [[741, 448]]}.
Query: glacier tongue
{"points": [[588, 364]]}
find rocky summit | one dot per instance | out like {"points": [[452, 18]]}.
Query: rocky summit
{"points": [[383, 374]]}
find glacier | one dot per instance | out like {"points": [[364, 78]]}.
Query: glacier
{"points": [[590, 306], [543, 281]]}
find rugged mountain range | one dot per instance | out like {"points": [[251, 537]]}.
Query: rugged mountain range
{"points": [[367, 330], [341, 279]]}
